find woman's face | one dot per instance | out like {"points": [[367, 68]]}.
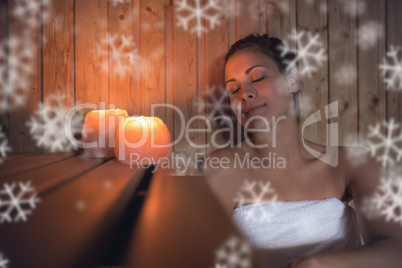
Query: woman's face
{"points": [[259, 94]]}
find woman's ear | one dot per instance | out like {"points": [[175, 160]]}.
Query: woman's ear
{"points": [[294, 80]]}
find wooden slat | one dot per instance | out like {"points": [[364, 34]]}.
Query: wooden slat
{"points": [[216, 46], [342, 53], [314, 94], [372, 95], [247, 18], [185, 87], [46, 177], [121, 75], [152, 47], [19, 165], [70, 225], [170, 23], [13, 156], [58, 52], [394, 38], [91, 48], [3, 70], [28, 34], [280, 18], [181, 224]]}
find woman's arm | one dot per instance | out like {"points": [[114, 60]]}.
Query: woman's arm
{"points": [[383, 239]]}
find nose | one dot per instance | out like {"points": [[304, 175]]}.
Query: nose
{"points": [[249, 94]]}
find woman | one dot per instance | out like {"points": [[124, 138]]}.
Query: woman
{"points": [[306, 221]]}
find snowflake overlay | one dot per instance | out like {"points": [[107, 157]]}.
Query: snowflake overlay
{"points": [[216, 106], [48, 126], [233, 253], [3, 262], [353, 8], [115, 2], [309, 53], [256, 192], [369, 34], [17, 66], [17, 63], [381, 146], [16, 202], [123, 53], [187, 13], [346, 75], [387, 200], [357, 156], [394, 69], [4, 147]]}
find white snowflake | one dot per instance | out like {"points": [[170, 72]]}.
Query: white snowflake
{"points": [[4, 147], [3, 262], [256, 192], [393, 69], [216, 106], [48, 125], [369, 34], [309, 52], [15, 70], [115, 2], [353, 8], [31, 13], [357, 156], [186, 13], [383, 147], [233, 253], [17, 203], [387, 200], [346, 75], [123, 53]]}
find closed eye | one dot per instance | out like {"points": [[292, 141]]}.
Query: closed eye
{"points": [[259, 79], [234, 91]]}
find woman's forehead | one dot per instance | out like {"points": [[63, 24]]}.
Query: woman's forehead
{"points": [[244, 59]]}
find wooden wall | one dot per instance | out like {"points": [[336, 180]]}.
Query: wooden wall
{"points": [[67, 40]]}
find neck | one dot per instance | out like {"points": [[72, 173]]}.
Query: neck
{"points": [[284, 139]]}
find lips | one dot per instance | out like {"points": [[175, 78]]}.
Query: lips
{"points": [[253, 109]]}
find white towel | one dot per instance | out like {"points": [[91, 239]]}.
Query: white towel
{"points": [[287, 230]]}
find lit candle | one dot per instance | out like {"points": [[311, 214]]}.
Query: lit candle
{"points": [[142, 140], [98, 133]]}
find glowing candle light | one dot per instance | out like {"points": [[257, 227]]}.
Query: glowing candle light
{"points": [[144, 139], [98, 133]]}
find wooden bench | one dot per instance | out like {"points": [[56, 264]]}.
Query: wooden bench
{"points": [[100, 213]]}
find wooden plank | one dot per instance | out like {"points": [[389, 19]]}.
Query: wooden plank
{"points": [[13, 156], [342, 53], [19, 165], [281, 18], [24, 72], [248, 18], [181, 224], [170, 66], [121, 75], [47, 177], [152, 47], [91, 51], [314, 94], [73, 223], [393, 38], [3, 67], [185, 89], [372, 95], [216, 46], [58, 54]]}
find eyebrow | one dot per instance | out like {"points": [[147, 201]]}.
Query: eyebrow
{"points": [[246, 72]]}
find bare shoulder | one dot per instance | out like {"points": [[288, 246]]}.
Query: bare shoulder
{"points": [[362, 171]]}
